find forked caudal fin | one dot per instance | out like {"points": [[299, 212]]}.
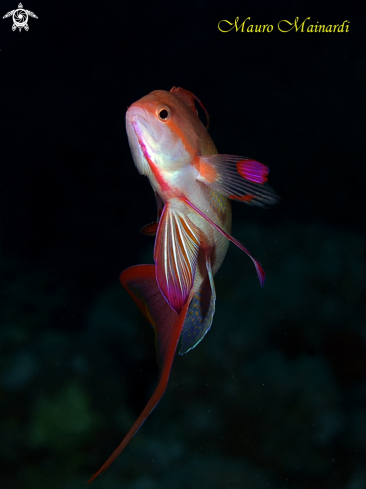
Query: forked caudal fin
{"points": [[140, 283], [261, 273]]}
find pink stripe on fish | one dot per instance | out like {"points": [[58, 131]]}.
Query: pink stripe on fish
{"points": [[153, 167]]}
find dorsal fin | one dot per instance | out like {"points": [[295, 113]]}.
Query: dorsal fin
{"points": [[188, 98]]}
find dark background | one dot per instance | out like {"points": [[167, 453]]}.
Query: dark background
{"points": [[275, 396]]}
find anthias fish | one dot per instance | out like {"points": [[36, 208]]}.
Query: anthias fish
{"points": [[192, 185]]}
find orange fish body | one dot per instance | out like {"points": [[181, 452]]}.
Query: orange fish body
{"points": [[172, 164], [193, 185]]}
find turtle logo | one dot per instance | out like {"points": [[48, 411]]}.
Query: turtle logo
{"points": [[20, 17]]}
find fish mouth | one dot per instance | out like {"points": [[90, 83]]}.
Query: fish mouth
{"points": [[137, 130]]}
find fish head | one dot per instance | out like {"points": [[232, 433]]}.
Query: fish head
{"points": [[163, 136]]}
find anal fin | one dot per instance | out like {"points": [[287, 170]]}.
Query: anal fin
{"points": [[200, 313]]}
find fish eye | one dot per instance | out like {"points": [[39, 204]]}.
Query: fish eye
{"points": [[163, 113]]}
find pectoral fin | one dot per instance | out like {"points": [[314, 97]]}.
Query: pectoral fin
{"points": [[176, 250], [140, 283], [237, 178]]}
